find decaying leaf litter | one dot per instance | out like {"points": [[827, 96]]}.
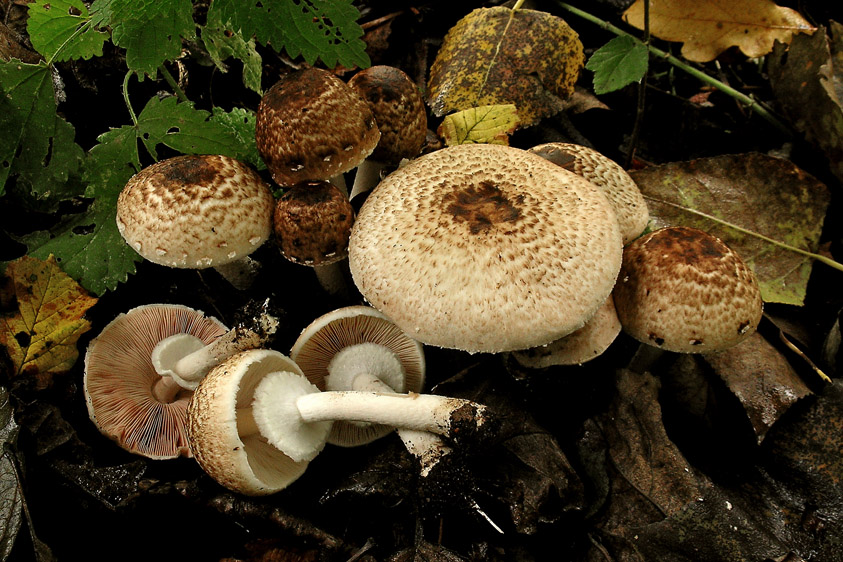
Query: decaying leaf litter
{"points": [[734, 454]]}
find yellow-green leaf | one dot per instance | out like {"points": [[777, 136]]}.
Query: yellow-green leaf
{"points": [[708, 27], [42, 317], [489, 124], [497, 56], [762, 195]]}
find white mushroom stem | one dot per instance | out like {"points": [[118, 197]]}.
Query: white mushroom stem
{"points": [[185, 359], [286, 402], [368, 175], [332, 278], [241, 273]]}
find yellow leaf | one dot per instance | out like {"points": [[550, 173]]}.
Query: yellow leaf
{"points": [[498, 56], [488, 124], [42, 317], [709, 27]]}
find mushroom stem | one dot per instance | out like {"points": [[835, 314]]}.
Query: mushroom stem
{"points": [[240, 273], [332, 279], [165, 390], [367, 177], [186, 359]]}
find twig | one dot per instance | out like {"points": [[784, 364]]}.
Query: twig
{"points": [[750, 102], [642, 89]]}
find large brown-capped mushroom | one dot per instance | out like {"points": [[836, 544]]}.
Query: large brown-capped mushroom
{"points": [[312, 224], [226, 442], [681, 289], [485, 248], [311, 126], [127, 399], [618, 186], [196, 212], [401, 117]]}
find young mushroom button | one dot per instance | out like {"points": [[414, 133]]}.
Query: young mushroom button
{"points": [[311, 126], [197, 212], [485, 248], [127, 399], [681, 289]]}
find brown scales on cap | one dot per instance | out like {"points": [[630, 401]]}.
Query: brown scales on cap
{"points": [[684, 290], [311, 126]]}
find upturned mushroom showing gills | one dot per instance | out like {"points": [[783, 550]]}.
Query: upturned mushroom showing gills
{"points": [[261, 396], [127, 399], [197, 212], [400, 113], [485, 248], [311, 126], [681, 289]]}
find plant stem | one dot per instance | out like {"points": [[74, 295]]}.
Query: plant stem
{"points": [[828, 261], [173, 84], [126, 98], [642, 94], [748, 101]]}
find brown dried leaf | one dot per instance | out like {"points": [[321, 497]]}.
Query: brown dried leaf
{"points": [[42, 317], [497, 56], [709, 27], [761, 194]]}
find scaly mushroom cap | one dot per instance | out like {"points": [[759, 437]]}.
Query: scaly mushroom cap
{"points": [[195, 211], [398, 108], [618, 186], [119, 377], [372, 334], [576, 348], [684, 290], [485, 248], [313, 222], [311, 126], [244, 463]]}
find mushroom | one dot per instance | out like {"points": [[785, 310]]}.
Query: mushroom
{"points": [[618, 186], [261, 396], [312, 224], [226, 442], [576, 348], [197, 211], [401, 117], [311, 126], [358, 348], [187, 359], [681, 289], [485, 248], [127, 399]]}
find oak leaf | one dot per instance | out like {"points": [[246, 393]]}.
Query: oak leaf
{"points": [[41, 317], [498, 56], [490, 124], [708, 27]]}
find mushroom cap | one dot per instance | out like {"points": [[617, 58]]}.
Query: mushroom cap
{"points": [[119, 377], [247, 464], [684, 290], [195, 211], [485, 248], [576, 348], [618, 186], [313, 222], [353, 326], [399, 111], [311, 126]]}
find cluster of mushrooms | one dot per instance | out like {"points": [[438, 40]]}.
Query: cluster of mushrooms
{"points": [[481, 248]]}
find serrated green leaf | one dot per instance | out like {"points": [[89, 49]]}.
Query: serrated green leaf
{"points": [[222, 43], [621, 61], [37, 145], [62, 30], [151, 31], [241, 124], [325, 30]]}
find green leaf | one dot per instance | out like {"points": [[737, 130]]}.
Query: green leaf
{"points": [[762, 195], [37, 145], [150, 30], [11, 495], [88, 245], [325, 30], [222, 43], [62, 30], [621, 61], [491, 124]]}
